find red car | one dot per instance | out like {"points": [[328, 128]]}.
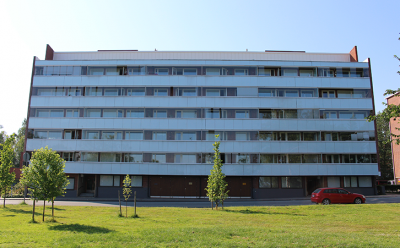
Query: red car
{"points": [[327, 196]]}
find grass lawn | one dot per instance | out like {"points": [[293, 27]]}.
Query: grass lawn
{"points": [[375, 225]]}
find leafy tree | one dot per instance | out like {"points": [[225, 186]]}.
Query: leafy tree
{"points": [[45, 176], [127, 191], [384, 144], [19, 143], [216, 184], [6, 162]]}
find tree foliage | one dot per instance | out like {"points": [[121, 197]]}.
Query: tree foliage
{"points": [[385, 150], [216, 185], [126, 191], [45, 176], [6, 162]]}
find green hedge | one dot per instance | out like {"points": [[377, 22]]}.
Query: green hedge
{"points": [[392, 188]]}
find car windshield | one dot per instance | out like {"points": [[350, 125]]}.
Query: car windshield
{"points": [[317, 191]]}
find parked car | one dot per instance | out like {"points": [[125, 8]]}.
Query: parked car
{"points": [[327, 196]]}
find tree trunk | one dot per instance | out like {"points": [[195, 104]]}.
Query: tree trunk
{"points": [[4, 199], [119, 199], [52, 208], [126, 209], [135, 203], [212, 205], [44, 208], [33, 212]]}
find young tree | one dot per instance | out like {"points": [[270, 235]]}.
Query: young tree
{"points": [[127, 191], [6, 162], [19, 143], [216, 184], [45, 176], [385, 150]]}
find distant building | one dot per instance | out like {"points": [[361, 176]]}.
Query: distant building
{"points": [[288, 121], [395, 99]]}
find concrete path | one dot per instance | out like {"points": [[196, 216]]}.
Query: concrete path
{"points": [[201, 203]]}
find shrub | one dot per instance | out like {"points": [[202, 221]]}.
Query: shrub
{"points": [[392, 188]]}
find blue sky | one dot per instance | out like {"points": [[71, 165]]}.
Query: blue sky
{"points": [[312, 26]]}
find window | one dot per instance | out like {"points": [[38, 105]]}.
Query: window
{"points": [[307, 93], [292, 182], [49, 113], [159, 113], [268, 182], [266, 158], [185, 158], [291, 93], [158, 158], [293, 136], [113, 71], [289, 72], [135, 113], [186, 114], [136, 70], [213, 72], [207, 158], [330, 115], [110, 157], [134, 135], [159, 136], [71, 184], [331, 136], [48, 135], [359, 94], [266, 72], [350, 182], [333, 182], [268, 136], [110, 180], [266, 92], [211, 113], [242, 114], [306, 73], [344, 93], [188, 92], [133, 158], [242, 136], [365, 182], [90, 156], [111, 92], [184, 71], [243, 158], [328, 94], [345, 115], [51, 92], [161, 92], [92, 134], [325, 72], [72, 113], [216, 92], [68, 156], [111, 135], [136, 92], [161, 71], [330, 158], [185, 136], [94, 91], [363, 158], [136, 181], [265, 114], [96, 71], [295, 158], [310, 158], [211, 136], [241, 72], [113, 113], [310, 136], [93, 113]]}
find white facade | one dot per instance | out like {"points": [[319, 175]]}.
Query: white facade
{"points": [[340, 112]]}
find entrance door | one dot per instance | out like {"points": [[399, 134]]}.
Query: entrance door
{"points": [[90, 183], [313, 183]]}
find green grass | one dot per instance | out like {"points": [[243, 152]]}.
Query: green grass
{"points": [[376, 225]]}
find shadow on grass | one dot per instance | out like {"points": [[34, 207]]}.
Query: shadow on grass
{"points": [[19, 211], [248, 211], [80, 228]]}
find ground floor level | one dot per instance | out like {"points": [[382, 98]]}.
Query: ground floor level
{"points": [[255, 187]]}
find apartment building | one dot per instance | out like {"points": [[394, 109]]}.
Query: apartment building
{"points": [[288, 121], [394, 125]]}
